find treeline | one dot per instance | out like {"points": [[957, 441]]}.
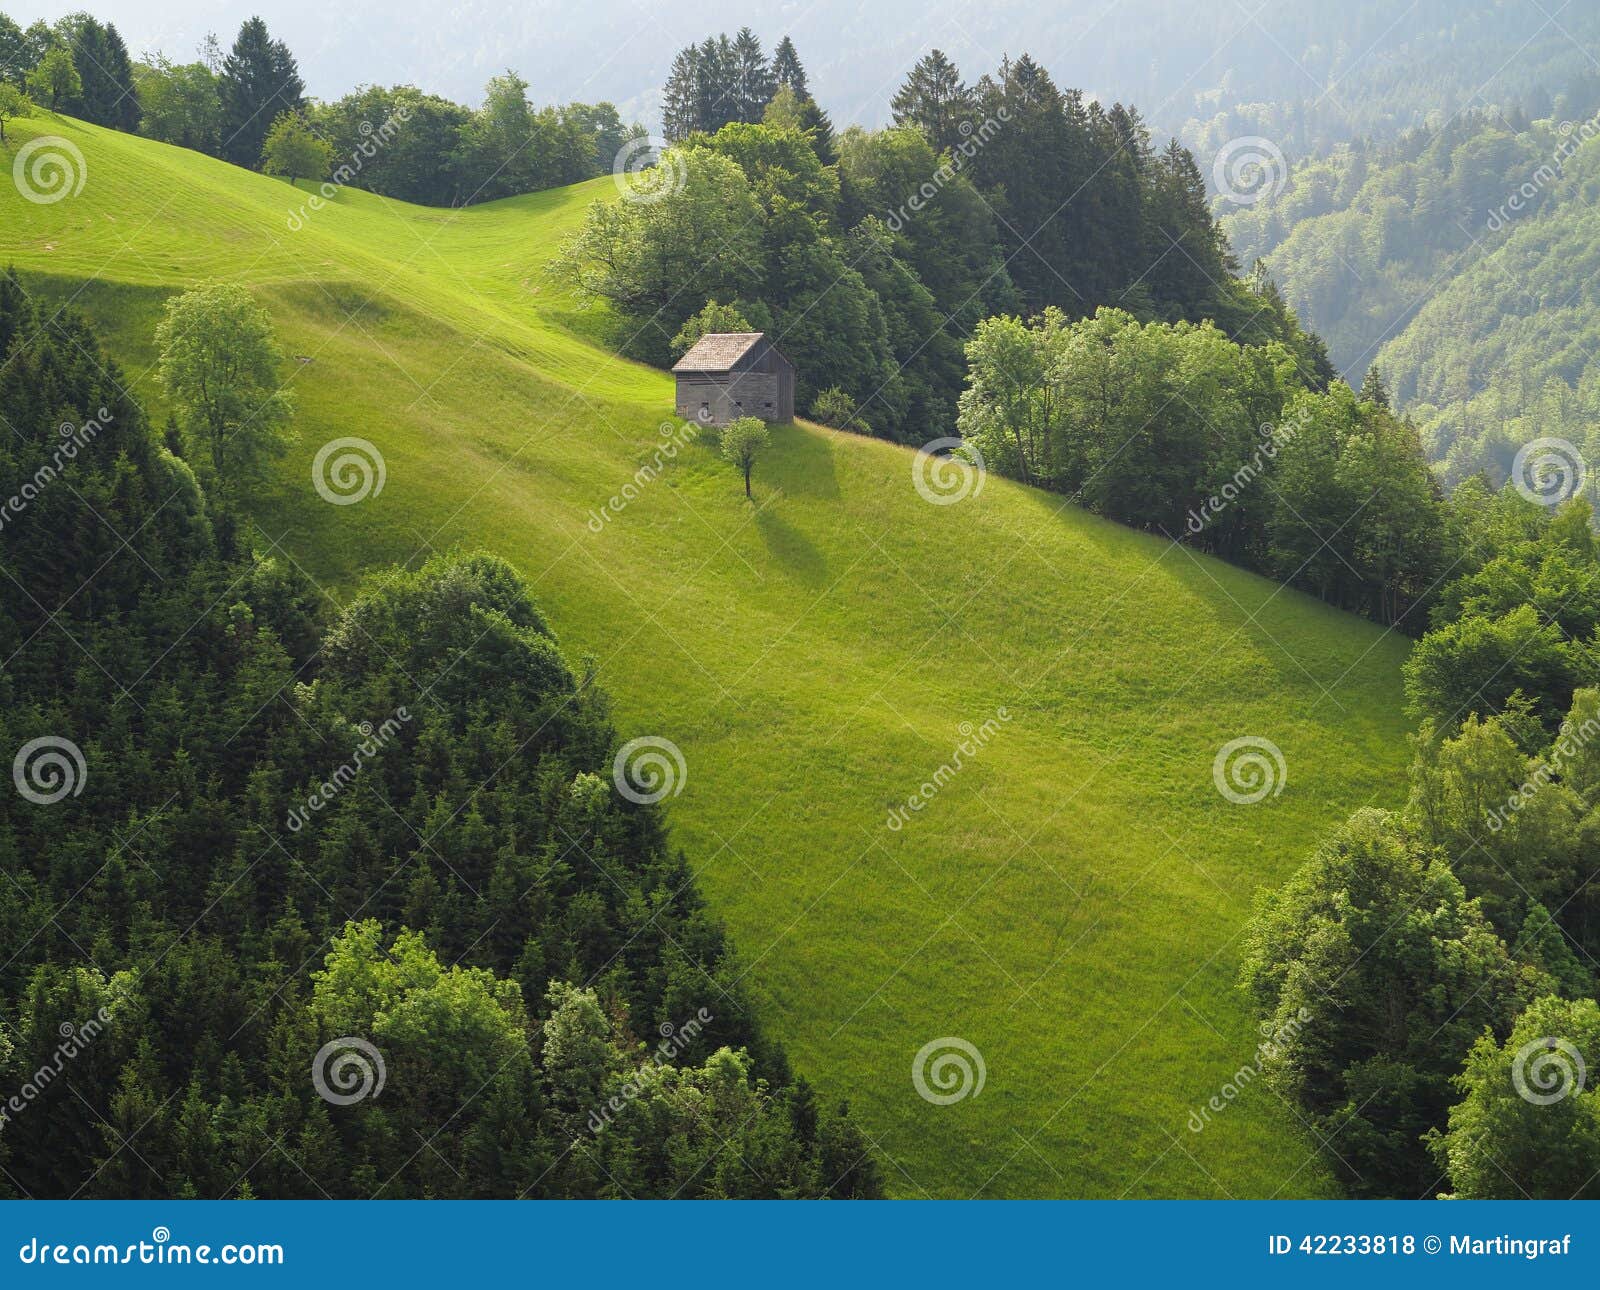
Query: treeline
{"points": [[722, 81], [1175, 429], [1428, 979], [870, 256], [396, 141], [303, 905]]}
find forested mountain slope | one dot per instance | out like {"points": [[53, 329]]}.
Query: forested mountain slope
{"points": [[1069, 902], [1461, 262]]}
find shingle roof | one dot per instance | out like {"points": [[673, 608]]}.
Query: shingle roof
{"points": [[717, 351]]}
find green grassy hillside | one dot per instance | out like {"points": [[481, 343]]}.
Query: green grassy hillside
{"points": [[1071, 901]]}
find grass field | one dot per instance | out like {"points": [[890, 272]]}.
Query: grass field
{"points": [[1070, 903]]}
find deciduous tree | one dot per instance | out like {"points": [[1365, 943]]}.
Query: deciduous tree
{"points": [[219, 363], [742, 442]]}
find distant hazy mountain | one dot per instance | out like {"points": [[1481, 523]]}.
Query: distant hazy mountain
{"points": [[1352, 68]]}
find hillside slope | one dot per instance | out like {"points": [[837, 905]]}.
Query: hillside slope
{"points": [[1462, 263], [1069, 903]]}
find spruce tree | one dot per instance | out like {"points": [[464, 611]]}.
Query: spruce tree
{"points": [[680, 98], [1373, 388], [125, 111], [260, 81], [753, 78], [934, 100], [786, 69]]}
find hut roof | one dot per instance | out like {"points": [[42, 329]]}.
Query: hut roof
{"points": [[717, 351]]}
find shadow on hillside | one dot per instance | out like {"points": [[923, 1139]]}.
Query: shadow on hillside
{"points": [[791, 548], [808, 465]]}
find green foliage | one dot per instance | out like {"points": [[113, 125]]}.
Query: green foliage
{"points": [[712, 319], [652, 259], [293, 151], [260, 81], [1455, 259], [934, 100], [741, 442], [833, 407], [105, 93], [180, 104], [1502, 1144], [13, 104], [1374, 972], [219, 364], [55, 78], [257, 777], [1521, 617], [723, 81]]}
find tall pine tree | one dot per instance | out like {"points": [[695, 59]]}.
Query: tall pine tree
{"points": [[680, 98], [753, 78], [260, 81], [786, 68], [934, 100]]}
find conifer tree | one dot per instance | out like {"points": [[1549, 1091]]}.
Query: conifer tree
{"points": [[260, 81], [934, 100], [786, 68]]}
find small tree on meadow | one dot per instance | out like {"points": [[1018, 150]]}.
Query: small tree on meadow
{"points": [[56, 77], [742, 442], [294, 151], [13, 103], [219, 364]]}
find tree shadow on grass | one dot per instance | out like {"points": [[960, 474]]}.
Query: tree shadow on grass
{"points": [[805, 460], [791, 548]]}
